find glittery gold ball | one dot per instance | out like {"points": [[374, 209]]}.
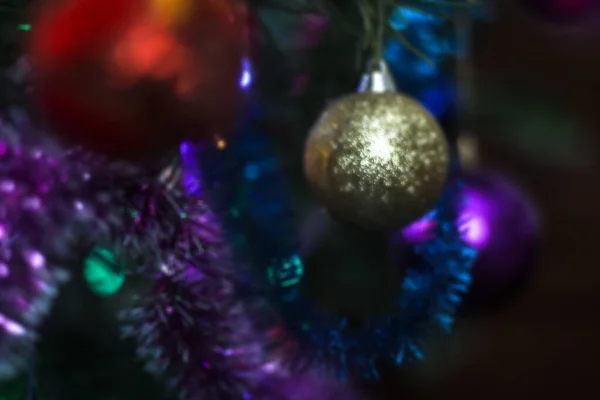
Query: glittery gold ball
{"points": [[377, 160]]}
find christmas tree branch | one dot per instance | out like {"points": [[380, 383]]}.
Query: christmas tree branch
{"points": [[359, 19]]}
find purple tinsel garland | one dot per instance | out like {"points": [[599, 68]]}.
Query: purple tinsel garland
{"points": [[189, 328], [41, 219], [136, 216], [58, 205]]}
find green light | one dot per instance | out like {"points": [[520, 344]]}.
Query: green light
{"points": [[100, 272], [285, 273], [25, 27]]}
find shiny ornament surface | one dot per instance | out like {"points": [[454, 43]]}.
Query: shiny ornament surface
{"points": [[502, 223], [131, 78], [377, 160]]}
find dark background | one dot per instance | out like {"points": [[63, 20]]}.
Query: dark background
{"points": [[545, 341]]}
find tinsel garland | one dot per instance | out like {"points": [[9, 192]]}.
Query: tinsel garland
{"points": [[245, 179], [137, 216], [63, 204], [41, 220], [146, 223], [432, 290], [190, 328]]}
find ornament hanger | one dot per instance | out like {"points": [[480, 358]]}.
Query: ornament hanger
{"points": [[374, 26], [378, 46], [378, 78]]}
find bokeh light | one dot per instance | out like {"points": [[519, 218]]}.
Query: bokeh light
{"points": [[101, 272], [246, 78], [474, 221]]}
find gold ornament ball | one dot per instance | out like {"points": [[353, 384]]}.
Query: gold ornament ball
{"points": [[377, 160]]}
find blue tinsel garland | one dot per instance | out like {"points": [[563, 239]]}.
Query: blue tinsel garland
{"points": [[431, 292], [245, 181]]}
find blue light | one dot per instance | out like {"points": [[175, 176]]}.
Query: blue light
{"points": [[191, 182], [246, 78], [404, 17]]}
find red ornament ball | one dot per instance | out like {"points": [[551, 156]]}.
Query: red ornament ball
{"points": [[132, 78]]}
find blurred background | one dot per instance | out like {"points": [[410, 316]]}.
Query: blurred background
{"points": [[530, 114]]}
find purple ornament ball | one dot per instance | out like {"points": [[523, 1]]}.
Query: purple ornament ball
{"points": [[501, 222]]}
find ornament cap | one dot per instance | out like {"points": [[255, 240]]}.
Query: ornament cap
{"points": [[377, 78]]}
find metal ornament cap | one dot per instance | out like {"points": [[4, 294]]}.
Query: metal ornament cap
{"points": [[377, 79]]}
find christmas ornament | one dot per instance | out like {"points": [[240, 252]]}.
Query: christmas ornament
{"points": [[190, 328], [377, 158], [127, 72], [498, 220], [245, 182]]}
